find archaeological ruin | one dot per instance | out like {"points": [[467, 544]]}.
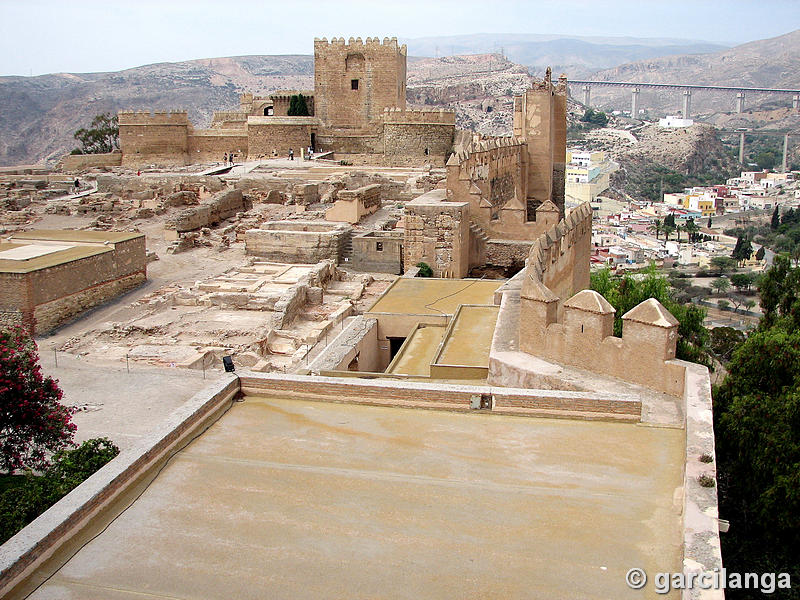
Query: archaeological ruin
{"points": [[540, 425]]}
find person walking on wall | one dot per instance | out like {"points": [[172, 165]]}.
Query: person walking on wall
{"points": [[77, 185], [225, 159], [291, 154]]}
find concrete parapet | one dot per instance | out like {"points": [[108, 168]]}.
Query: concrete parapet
{"points": [[35, 549]]}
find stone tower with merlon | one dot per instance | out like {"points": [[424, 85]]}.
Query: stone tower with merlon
{"points": [[540, 119], [355, 81]]}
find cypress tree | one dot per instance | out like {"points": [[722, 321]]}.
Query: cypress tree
{"points": [[776, 219]]}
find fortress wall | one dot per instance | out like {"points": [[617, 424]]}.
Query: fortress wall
{"points": [[157, 138], [210, 145], [417, 143], [79, 162], [266, 139], [489, 174]]}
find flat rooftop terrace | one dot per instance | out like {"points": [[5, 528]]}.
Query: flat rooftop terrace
{"points": [[430, 296], [294, 499]]}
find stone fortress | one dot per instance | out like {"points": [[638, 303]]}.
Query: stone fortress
{"points": [[539, 344], [358, 112]]}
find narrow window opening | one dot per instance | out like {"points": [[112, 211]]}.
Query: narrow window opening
{"points": [[354, 84]]}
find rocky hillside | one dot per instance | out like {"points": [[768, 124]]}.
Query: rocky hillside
{"points": [[577, 55], [40, 114]]}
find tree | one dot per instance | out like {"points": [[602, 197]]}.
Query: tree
{"points": [[595, 117], [721, 285], [757, 433], [776, 218], [36, 493], [743, 249], [691, 230], [723, 304], [742, 281], [761, 253], [101, 137], [627, 291], [655, 227], [724, 340], [779, 290], [722, 264], [669, 220], [33, 422], [749, 304], [678, 229], [298, 107], [766, 160], [709, 223]]}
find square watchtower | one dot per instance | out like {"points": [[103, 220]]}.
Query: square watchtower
{"points": [[355, 81]]}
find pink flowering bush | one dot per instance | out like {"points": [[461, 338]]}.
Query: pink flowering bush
{"points": [[33, 422]]}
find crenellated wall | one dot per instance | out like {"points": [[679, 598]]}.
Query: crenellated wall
{"points": [[579, 331], [160, 137]]}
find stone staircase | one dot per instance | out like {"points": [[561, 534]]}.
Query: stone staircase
{"points": [[346, 248], [478, 232]]}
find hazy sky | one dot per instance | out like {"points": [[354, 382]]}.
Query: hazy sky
{"points": [[46, 36]]}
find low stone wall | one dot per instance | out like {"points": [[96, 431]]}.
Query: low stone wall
{"points": [[222, 206], [80, 162], [352, 205], [294, 242], [358, 341], [507, 253], [67, 523], [415, 394]]}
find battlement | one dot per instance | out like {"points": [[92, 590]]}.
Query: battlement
{"points": [[579, 331], [398, 115], [356, 44], [480, 150], [158, 117]]}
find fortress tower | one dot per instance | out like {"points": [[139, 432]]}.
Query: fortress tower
{"points": [[355, 81]]}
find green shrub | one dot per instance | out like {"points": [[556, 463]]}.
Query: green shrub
{"points": [[22, 503], [424, 270]]}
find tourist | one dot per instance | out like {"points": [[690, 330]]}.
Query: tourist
{"points": [[77, 185], [291, 154], [225, 159]]}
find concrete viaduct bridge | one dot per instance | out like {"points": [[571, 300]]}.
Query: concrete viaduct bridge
{"points": [[687, 89]]}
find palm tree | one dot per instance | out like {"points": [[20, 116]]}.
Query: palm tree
{"points": [[690, 228], [656, 227], [678, 229], [667, 229]]}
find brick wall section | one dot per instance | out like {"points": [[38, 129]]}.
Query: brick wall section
{"points": [[211, 145], [56, 294]]}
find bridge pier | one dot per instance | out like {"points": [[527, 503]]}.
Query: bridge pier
{"points": [[785, 152], [741, 148], [740, 102], [687, 104], [587, 95], [795, 102], [635, 103]]}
